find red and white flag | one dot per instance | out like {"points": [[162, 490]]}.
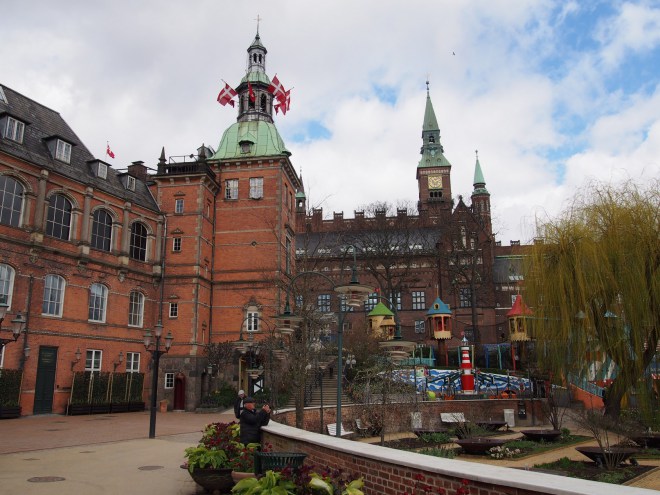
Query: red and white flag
{"points": [[226, 95], [109, 152], [253, 98], [283, 102], [276, 87]]}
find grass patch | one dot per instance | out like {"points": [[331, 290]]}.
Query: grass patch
{"points": [[590, 471]]}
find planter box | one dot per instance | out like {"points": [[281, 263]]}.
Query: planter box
{"points": [[8, 412], [100, 408], [119, 407], [213, 479], [135, 406], [77, 409]]}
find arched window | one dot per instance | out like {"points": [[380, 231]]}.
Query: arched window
{"points": [[98, 302], [138, 250], [135, 309], [6, 283], [58, 223], [54, 286], [11, 201], [101, 230]]}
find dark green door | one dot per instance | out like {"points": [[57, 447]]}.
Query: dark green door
{"points": [[45, 386]]}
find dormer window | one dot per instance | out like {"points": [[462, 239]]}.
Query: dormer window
{"points": [[130, 183], [63, 151], [14, 130], [3, 98], [102, 170], [246, 146]]}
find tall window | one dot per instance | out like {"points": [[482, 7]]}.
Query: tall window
{"points": [[419, 326], [169, 380], [287, 256], [101, 230], [11, 201], [178, 206], [343, 303], [6, 283], [418, 299], [132, 362], [58, 223], [371, 301], [63, 151], [138, 250], [323, 303], [395, 299], [98, 301], [465, 297], [174, 310], [231, 189], [14, 130], [252, 320], [256, 187], [53, 295], [93, 360], [135, 309], [176, 244]]}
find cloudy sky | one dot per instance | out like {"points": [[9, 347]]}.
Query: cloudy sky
{"points": [[552, 93]]}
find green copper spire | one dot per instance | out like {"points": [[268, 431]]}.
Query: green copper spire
{"points": [[432, 150], [479, 182]]}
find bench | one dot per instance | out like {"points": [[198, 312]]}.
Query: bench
{"points": [[453, 418], [362, 430], [332, 430]]}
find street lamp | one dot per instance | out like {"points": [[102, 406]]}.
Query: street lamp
{"points": [[16, 330], [156, 352], [353, 295]]}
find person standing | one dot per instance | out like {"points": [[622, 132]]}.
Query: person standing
{"points": [[238, 404], [252, 421]]}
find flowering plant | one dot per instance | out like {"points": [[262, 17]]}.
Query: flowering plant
{"points": [[503, 452], [423, 488]]}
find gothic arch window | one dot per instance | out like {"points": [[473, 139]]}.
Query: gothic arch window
{"points": [[101, 230], [58, 223], [11, 201], [138, 248]]}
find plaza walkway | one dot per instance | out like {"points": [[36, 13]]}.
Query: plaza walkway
{"points": [[110, 454]]}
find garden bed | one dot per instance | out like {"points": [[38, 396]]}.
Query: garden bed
{"points": [[591, 471]]}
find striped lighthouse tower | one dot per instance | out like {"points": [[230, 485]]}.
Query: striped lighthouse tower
{"points": [[467, 378]]}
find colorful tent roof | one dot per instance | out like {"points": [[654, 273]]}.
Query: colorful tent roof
{"points": [[519, 308], [438, 308]]}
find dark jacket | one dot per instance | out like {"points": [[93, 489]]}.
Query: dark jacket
{"points": [[251, 423], [238, 406]]}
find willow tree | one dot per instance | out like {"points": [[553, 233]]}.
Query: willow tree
{"points": [[594, 284]]}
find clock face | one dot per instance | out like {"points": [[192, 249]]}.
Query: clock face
{"points": [[435, 182]]}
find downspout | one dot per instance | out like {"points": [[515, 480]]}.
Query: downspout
{"points": [[26, 347]]}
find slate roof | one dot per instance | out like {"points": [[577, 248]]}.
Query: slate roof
{"points": [[42, 123]]}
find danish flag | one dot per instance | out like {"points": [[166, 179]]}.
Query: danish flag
{"points": [[226, 95]]}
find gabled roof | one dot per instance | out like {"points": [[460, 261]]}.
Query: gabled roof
{"points": [[438, 308], [46, 124], [380, 310]]}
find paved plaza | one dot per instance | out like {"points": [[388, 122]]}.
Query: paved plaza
{"points": [[111, 454]]}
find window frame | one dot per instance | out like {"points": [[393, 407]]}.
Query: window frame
{"points": [[136, 309], [418, 299], [63, 151], [464, 297], [11, 201], [178, 206], [59, 291], [370, 303], [176, 244], [252, 319], [324, 303], [131, 359], [15, 130], [98, 303], [130, 182], [58, 217], [7, 277], [173, 310], [231, 189], [420, 327], [137, 251], [168, 381], [256, 188], [93, 360], [98, 239]]}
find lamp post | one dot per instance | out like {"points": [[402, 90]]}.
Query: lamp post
{"points": [[156, 352], [352, 295], [16, 330]]}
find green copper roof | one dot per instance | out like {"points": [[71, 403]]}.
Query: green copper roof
{"points": [[257, 43], [380, 310], [265, 139], [479, 181], [256, 76], [430, 122], [301, 195]]}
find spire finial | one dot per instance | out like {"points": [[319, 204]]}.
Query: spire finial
{"points": [[258, 19], [428, 77], [476, 152]]}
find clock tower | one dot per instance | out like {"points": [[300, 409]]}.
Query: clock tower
{"points": [[433, 170]]}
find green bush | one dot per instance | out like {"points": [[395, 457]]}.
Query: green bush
{"points": [[10, 387], [438, 452], [135, 384], [119, 393], [437, 437], [221, 397]]}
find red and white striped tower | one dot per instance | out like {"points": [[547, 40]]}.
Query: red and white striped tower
{"points": [[467, 378]]}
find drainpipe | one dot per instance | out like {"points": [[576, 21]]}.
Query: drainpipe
{"points": [[26, 347]]}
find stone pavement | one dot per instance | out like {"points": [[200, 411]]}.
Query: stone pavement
{"points": [[110, 454]]}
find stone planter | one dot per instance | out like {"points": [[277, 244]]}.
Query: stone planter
{"points": [[479, 445], [212, 479], [240, 475], [613, 454], [647, 440], [77, 409], [541, 435]]}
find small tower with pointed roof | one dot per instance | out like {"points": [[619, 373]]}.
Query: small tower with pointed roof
{"points": [[481, 198]]}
